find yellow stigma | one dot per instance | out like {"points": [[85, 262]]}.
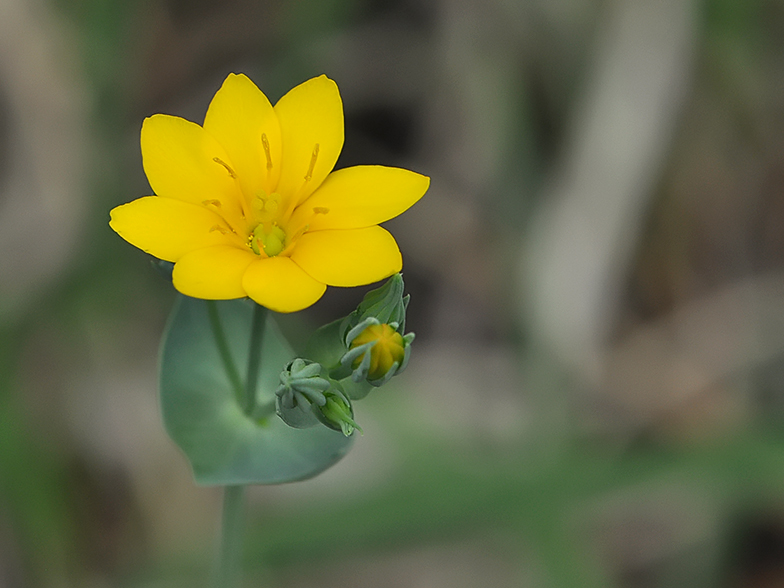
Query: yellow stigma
{"points": [[389, 348], [265, 207]]}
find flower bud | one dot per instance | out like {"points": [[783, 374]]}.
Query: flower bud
{"points": [[301, 387], [337, 413], [376, 351]]}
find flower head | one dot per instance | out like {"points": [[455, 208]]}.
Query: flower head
{"points": [[248, 204]]}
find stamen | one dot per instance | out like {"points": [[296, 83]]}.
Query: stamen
{"points": [[313, 158], [299, 233], [254, 244], [218, 160], [215, 203], [320, 210], [267, 153], [218, 228]]}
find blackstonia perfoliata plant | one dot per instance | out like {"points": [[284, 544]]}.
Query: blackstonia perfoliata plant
{"points": [[252, 216]]}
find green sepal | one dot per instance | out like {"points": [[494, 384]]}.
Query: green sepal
{"points": [[299, 416], [200, 412], [164, 268], [386, 304]]}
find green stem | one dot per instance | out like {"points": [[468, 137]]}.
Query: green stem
{"points": [[228, 568], [254, 357], [225, 353], [227, 573]]}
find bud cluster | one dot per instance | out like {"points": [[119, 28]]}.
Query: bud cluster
{"points": [[345, 360]]}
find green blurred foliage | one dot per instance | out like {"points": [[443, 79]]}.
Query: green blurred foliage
{"points": [[515, 499]]}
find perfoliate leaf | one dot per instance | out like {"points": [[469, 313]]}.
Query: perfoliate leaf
{"points": [[326, 345], [200, 409]]}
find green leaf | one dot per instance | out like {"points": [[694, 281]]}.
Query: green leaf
{"points": [[200, 409], [326, 345], [355, 390]]}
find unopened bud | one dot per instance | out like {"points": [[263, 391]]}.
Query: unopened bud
{"points": [[301, 386], [376, 351], [337, 413]]}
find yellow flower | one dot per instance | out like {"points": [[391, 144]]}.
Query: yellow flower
{"points": [[246, 205]]}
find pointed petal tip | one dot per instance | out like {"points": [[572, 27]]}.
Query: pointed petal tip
{"points": [[240, 78]]}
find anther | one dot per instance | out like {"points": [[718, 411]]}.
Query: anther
{"points": [[218, 228], [215, 203], [313, 158], [320, 210], [219, 161], [267, 153]]}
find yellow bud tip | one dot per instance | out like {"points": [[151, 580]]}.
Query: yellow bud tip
{"points": [[389, 348]]}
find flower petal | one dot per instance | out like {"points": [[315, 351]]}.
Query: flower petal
{"points": [[360, 196], [280, 285], [311, 114], [238, 116], [168, 228], [213, 273], [179, 160], [348, 258]]}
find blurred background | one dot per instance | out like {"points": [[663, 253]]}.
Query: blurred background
{"points": [[596, 393]]}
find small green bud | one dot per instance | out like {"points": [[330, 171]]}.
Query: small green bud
{"points": [[305, 398], [337, 413], [301, 387]]}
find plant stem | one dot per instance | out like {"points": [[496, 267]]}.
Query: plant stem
{"points": [[227, 572], [254, 357], [228, 567], [225, 353]]}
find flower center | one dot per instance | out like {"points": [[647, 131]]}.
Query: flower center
{"points": [[267, 236], [267, 213], [272, 241]]}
